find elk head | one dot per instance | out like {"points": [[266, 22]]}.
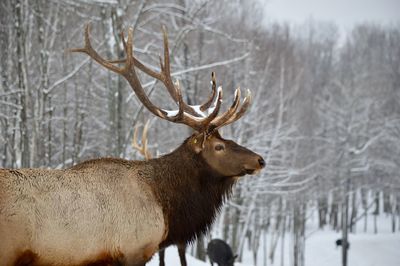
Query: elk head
{"points": [[224, 156]]}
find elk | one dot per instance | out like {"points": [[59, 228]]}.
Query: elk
{"points": [[112, 211], [144, 151]]}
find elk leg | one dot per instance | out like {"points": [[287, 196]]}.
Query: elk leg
{"points": [[161, 255], [182, 255]]}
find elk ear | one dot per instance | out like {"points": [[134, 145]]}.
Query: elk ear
{"points": [[197, 142]]}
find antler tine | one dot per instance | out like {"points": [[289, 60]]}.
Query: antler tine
{"points": [[167, 80], [144, 140], [206, 122], [165, 75], [236, 116], [180, 115], [122, 36], [143, 150], [222, 119], [199, 124], [208, 103], [88, 49], [136, 62], [167, 69], [129, 51], [135, 143]]}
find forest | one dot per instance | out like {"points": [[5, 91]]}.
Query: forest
{"points": [[325, 112]]}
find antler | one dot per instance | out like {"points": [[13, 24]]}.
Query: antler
{"points": [[143, 150], [203, 118]]}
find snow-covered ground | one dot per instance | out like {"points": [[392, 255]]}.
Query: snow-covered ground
{"points": [[366, 249]]}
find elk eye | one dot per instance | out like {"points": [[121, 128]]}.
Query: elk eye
{"points": [[219, 147]]}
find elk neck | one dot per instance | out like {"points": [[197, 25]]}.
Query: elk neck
{"points": [[190, 192]]}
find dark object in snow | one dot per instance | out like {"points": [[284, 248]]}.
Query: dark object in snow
{"points": [[339, 242], [220, 252]]}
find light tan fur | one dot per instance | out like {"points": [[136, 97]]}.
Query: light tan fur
{"points": [[75, 213]]}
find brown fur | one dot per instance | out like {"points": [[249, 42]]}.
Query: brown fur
{"points": [[26, 258], [29, 258], [191, 195], [190, 191], [105, 259]]}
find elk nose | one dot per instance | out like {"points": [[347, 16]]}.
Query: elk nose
{"points": [[261, 162]]}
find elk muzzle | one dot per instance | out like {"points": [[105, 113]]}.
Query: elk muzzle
{"points": [[254, 166]]}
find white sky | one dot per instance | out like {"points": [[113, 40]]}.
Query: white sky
{"points": [[345, 13]]}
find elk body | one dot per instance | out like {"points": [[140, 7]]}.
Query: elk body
{"points": [[117, 212]]}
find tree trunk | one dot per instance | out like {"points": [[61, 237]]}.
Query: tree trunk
{"points": [[353, 212], [364, 203], [333, 217], [226, 222], [386, 201], [4, 70], [275, 234], [322, 211], [393, 211], [255, 236], [200, 250], [345, 222], [298, 234], [398, 211], [376, 212], [283, 240], [118, 95], [22, 84], [265, 247]]}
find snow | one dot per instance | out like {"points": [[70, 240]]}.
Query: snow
{"points": [[366, 249], [110, 2], [196, 108], [171, 113], [211, 108], [172, 259]]}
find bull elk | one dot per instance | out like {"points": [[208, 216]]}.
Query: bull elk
{"points": [[111, 211]]}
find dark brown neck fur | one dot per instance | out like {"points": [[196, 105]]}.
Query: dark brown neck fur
{"points": [[190, 193]]}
